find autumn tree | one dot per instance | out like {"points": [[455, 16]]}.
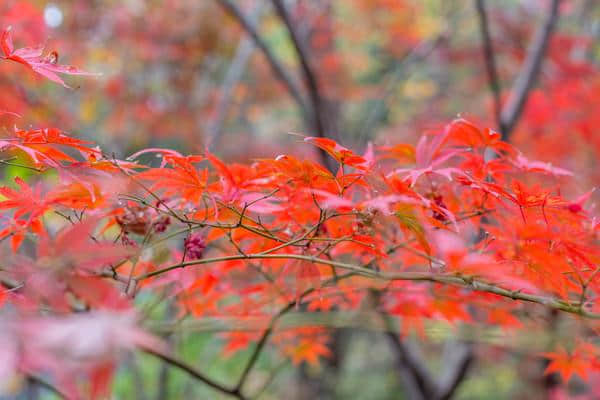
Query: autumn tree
{"points": [[173, 270]]}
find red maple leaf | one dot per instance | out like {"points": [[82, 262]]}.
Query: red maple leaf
{"points": [[182, 179], [567, 364], [32, 57], [29, 206], [341, 154], [429, 155], [27, 201]]}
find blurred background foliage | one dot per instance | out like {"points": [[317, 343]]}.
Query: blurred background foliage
{"points": [[184, 74]]}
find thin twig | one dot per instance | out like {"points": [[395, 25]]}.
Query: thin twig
{"points": [[7, 162]]}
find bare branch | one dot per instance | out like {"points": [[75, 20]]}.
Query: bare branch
{"points": [[417, 372], [303, 56], [528, 73], [280, 72], [489, 57], [398, 71], [233, 75], [319, 106], [456, 365], [261, 344], [182, 365], [420, 383]]}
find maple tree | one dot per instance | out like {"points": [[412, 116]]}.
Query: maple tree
{"points": [[461, 229]]}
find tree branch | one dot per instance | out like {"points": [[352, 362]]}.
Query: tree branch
{"points": [[489, 57], [572, 307], [421, 383], [261, 344], [267, 333], [456, 365], [236, 391], [319, 106], [425, 387], [233, 75], [182, 365], [390, 84], [528, 73], [280, 72]]}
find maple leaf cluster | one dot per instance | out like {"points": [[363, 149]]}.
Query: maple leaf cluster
{"points": [[453, 229]]}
